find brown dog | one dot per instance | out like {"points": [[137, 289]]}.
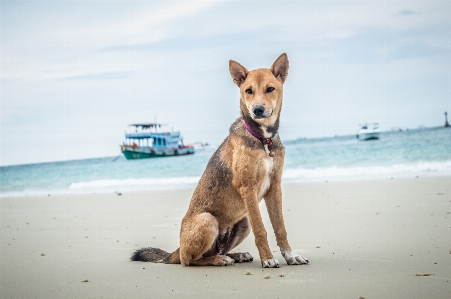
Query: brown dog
{"points": [[246, 168]]}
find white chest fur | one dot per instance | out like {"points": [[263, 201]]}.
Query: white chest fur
{"points": [[266, 134], [268, 163]]}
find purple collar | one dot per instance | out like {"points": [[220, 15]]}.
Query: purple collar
{"points": [[262, 139]]}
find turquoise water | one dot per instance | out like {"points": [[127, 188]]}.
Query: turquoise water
{"points": [[396, 154]]}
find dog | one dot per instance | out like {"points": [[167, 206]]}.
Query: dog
{"points": [[245, 169]]}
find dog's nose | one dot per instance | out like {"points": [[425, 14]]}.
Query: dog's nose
{"points": [[259, 110]]}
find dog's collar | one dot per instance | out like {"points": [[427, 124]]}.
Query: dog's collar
{"points": [[263, 140]]}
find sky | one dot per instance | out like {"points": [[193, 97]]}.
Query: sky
{"points": [[74, 74]]}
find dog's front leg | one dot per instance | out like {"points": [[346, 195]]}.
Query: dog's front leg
{"points": [[273, 201], [261, 237]]}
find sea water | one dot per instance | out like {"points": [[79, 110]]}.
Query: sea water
{"points": [[410, 153]]}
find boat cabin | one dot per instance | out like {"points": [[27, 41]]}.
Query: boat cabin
{"points": [[151, 135]]}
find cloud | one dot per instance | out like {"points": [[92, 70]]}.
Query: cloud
{"points": [[65, 37], [100, 76], [406, 12]]}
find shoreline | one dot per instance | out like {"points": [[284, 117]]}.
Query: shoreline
{"points": [[287, 182], [374, 238]]}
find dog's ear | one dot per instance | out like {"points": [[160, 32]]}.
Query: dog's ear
{"points": [[280, 67], [238, 72]]}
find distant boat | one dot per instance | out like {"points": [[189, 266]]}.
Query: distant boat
{"points": [[368, 131], [399, 129], [145, 141], [202, 146]]}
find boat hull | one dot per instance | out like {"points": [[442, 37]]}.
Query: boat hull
{"points": [[368, 136], [139, 152]]}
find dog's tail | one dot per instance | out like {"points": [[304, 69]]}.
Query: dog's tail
{"points": [[156, 255]]}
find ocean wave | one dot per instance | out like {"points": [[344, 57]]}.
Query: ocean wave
{"points": [[370, 172], [290, 175], [154, 183]]}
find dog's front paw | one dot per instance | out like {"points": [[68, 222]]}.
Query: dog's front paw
{"points": [[271, 263], [293, 258]]}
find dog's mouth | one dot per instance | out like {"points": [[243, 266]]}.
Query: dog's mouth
{"points": [[259, 112], [261, 117]]}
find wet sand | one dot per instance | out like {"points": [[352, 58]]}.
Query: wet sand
{"points": [[372, 239]]}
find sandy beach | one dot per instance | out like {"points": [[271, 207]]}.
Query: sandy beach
{"points": [[370, 239]]}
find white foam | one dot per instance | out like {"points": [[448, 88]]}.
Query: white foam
{"points": [[107, 186], [290, 175], [370, 172], [153, 183]]}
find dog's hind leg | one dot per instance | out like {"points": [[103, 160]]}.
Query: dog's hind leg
{"points": [[216, 260], [241, 257], [197, 236], [242, 229]]}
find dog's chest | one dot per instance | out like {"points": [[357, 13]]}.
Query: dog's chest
{"points": [[268, 164]]}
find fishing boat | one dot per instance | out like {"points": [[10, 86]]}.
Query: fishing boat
{"points": [[147, 140], [368, 131]]}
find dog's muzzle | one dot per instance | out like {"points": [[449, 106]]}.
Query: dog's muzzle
{"points": [[260, 112]]}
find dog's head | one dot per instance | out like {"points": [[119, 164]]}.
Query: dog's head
{"points": [[261, 90]]}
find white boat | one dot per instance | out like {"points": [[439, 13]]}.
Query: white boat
{"points": [[202, 146], [368, 131], [145, 141]]}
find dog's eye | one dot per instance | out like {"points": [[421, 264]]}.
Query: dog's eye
{"points": [[269, 89], [248, 91]]}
